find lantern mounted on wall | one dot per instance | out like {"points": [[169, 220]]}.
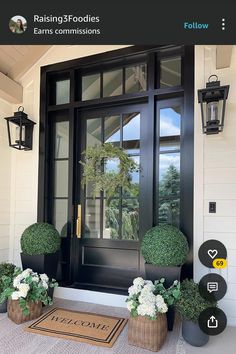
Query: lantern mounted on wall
{"points": [[213, 102], [20, 130]]}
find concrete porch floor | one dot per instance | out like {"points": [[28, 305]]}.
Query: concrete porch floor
{"points": [[14, 340]]}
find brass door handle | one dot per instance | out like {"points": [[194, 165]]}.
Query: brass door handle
{"points": [[78, 222]]}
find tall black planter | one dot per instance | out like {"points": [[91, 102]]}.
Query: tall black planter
{"points": [[193, 334], [170, 274], [41, 263]]}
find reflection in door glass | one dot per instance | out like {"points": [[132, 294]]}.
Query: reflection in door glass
{"points": [[136, 78], [60, 216], [130, 219], [90, 87], [92, 218], [94, 130], [61, 140], [170, 121], [170, 72], [112, 130], [112, 83]]}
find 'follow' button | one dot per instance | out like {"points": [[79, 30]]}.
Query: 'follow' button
{"points": [[195, 26]]}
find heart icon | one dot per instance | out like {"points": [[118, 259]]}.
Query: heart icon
{"points": [[212, 253]]}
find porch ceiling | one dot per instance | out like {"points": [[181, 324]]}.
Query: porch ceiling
{"points": [[15, 60]]}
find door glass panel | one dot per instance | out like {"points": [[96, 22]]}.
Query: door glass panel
{"points": [[62, 91], [112, 83], [111, 223], [170, 121], [169, 143], [131, 131], [106, 214], [61, 140], [94, 132], [136, 78], [61, 178], [60, 216], [91, 87], [92, 218], [112, 130], [170, 72], [130, 219]]}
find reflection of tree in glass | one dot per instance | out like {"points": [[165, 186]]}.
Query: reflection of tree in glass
{"points": [[169, 201], [130, 215]]}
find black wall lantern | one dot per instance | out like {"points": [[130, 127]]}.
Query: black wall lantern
{"points": [[20, 130], [213, 101]]}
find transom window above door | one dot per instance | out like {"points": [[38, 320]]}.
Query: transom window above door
{"points": [[115, 82]]}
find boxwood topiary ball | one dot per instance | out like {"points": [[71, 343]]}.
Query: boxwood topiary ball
{"points": [[40, 238], [165, 245]]}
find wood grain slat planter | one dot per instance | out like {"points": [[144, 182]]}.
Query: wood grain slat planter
{"points": [[147, 334], [15, 313]]}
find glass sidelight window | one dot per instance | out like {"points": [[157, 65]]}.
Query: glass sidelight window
{"points": [[117, 218], [169, 164]]}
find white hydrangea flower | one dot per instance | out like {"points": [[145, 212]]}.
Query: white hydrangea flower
{"points": [[44, 277], [44, 284], [147, 297], [176, 282], [15, 295], [130, 305], [23, 289], [134, 290], [26, 273], [139, 282], [146, 309], [149, 286], [159, 300], [17, 280], [35, 278], [163, 308]]}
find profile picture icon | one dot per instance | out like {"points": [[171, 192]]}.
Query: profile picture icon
{"points": [[18, 24]]}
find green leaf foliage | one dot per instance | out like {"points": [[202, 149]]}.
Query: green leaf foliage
{"points": [[40, 238], [99, 177], [190, 303], [6, 270], [165, 245]]}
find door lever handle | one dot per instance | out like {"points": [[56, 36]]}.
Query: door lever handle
{"points": [[78, 222]]}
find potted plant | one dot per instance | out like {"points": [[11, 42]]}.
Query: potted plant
{"points": [[148, 304], [165, 249], [6, 270], [190, 304], [40, 244], [26, 294]]}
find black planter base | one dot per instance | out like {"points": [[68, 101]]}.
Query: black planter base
{"points": [[170, 274], [3, 307], [193, 334], [41, 263]]}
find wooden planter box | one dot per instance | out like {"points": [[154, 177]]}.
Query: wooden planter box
{"points": [[15, 313], [147, 334]]}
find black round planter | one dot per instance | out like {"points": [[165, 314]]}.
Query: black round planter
{"points": [[3, 307], [170, 274], [193, 334]]}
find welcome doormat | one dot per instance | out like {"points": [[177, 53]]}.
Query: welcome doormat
{"points": [[81, 326]]}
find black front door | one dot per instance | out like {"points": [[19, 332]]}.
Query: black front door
{"points": [[108, 246]]}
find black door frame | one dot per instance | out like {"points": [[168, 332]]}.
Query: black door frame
{"points": [[70, 69]]}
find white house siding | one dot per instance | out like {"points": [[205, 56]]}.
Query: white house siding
{"points": [[5, 182], [215, 176]]}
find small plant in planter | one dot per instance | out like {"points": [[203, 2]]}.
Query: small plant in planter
{"points": [[6, 270], [190, 304], [26, 294], [148, 304], [40, 245]]}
